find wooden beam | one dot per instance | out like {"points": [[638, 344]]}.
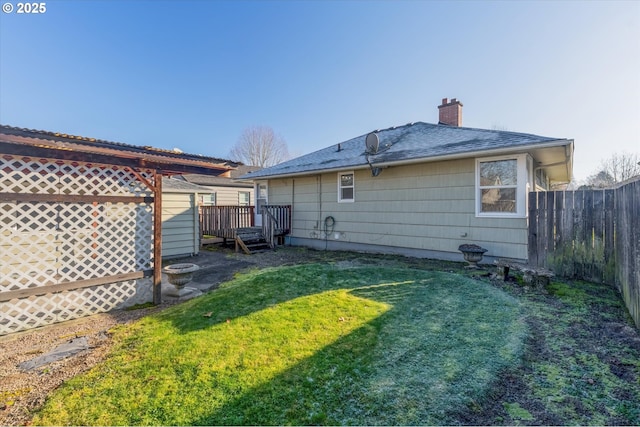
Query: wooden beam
{"points": [[157, 238], [133, 160], [70, 286], [71, 198], [240, 242]]}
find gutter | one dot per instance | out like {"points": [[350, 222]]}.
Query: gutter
{"points": [[481, 153]]}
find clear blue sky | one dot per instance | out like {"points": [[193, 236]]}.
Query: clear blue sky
{"points": [[194, 74]]}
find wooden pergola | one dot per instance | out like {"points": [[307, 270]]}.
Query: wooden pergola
{"points": [[29, 156]]}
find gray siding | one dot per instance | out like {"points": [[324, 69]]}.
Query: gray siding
{"points": [[180, 227], [228, 196], [428, 207]]}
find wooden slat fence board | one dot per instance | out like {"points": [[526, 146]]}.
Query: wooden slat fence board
{"points": [[567, 224], [532, 239], [549, 219], [627, 239], [609, 242], [590, 234]]}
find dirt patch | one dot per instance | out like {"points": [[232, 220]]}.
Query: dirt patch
{"points": [[580, 366], [23, 391]]}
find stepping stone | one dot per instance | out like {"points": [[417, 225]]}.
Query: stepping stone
{"points": [[63, 351]]}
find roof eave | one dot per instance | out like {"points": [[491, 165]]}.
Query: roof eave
{"points": [[39, 147], [310, 172], [478, 153]]}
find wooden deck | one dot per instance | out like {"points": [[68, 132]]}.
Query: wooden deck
{"points": [[233, 222]]}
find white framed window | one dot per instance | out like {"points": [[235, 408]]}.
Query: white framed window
{"points": [[244, 198], [346, 187], [501, 186], [208, 199], [261, 194]]}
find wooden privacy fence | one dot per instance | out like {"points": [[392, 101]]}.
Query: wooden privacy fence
{"points": [[590, 234]]}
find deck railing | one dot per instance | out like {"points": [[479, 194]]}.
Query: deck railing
{"points": [[222, 221], [276, 222], [281, 214]]}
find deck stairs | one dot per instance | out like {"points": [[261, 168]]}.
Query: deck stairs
{"points": [[251, 240]]}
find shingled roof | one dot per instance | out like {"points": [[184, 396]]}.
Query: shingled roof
{"points": [[229, 179], [412, 143], [39, 143], [177, 185]]}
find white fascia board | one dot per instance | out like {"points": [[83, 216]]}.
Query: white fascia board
{"points": [[311, 172], [467, 154]]}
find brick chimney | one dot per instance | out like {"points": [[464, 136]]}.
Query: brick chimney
{"points": [[450, 112]]}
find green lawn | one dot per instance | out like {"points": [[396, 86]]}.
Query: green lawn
{"points": [[310, 344]]}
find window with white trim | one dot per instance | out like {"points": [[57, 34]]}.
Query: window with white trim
{"points": [[208, 199], [346, 187], [244, 198], [501, 186]]}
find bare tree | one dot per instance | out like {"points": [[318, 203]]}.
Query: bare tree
{"points": [[617, 168], [260, 146]]}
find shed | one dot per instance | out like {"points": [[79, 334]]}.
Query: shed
{"points": [[226, 189], [80, 224], [180, 217]]}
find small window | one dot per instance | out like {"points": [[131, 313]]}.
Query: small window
{"points": [[209, 199], [244, 198], [262, 197], [501, 186], [346, 187]]}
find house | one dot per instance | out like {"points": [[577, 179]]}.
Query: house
{"points": [[420, 189], [181, 201], [225, 189], [81, 224]]}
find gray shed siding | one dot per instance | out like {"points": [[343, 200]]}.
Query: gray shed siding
{"points": [[427, 209], [180, 225], [229, 196]]}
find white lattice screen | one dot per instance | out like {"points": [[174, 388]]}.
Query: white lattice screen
{"points": [[71, 222]]}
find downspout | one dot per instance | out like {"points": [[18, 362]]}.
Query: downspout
{"points": [[293, 202], [319, 182]]}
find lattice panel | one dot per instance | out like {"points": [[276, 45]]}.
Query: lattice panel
{"points": [[44, 243], [27, 260], [82, 179], [68, 242], [44, 176], [26, 313], [24, 175]]}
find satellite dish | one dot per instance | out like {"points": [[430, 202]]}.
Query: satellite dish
{"points": [[372, 142]]}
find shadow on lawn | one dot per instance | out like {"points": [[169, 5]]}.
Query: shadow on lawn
{"points": [[313, 391], [396, 369]]}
